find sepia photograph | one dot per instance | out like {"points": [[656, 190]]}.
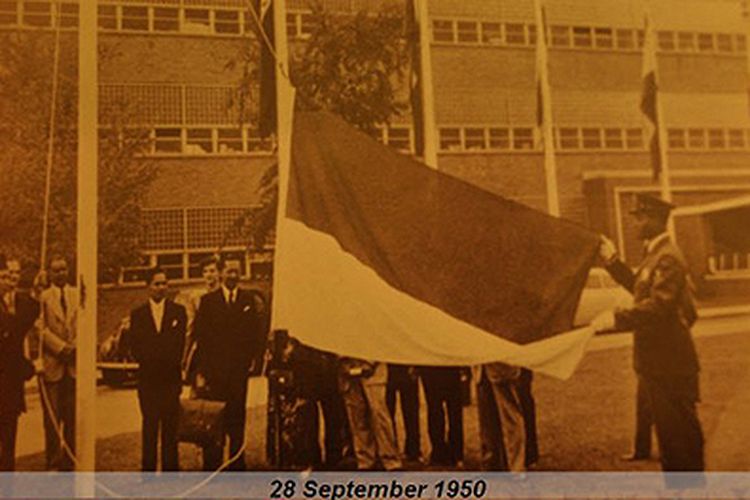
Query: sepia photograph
{"points": [[375, 248]]}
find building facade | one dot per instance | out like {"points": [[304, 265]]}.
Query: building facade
{"points": [[176, 65]]}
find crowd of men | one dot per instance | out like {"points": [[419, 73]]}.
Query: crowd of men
{"points": [[217, 337]]}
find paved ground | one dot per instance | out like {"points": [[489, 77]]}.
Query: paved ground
{"points": [[585, 423]]}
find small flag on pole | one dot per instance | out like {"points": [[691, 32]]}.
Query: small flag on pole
{"points": [[650, 95], [263, 13]]}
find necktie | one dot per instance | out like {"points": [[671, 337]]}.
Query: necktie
{"points": [[63, 304]]}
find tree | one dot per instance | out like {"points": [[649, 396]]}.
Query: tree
{"points": [[352, 65], [25, 102]]}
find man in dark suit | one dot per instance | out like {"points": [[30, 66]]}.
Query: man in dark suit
{"points": [[442, 391], [664, 356], [157, 339], [18, 312], [230, 334], [404, 380]]}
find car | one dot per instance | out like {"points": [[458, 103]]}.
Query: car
{"points": [[600, 294]]}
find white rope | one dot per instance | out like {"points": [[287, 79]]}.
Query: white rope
{"points": [[51, 139]]}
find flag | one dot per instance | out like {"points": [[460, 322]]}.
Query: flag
{"points": [[415, 84], [264, 30], [542, 76], [387, 259], [650, 95]]}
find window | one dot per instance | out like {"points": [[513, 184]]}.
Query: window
{"points": [[168, 140], [716, 138], [613, 138], [135, 18], [640, 38], [592, 138], [306, 24], [227, 21], [724, 43], [697, 138], [197, 21], [171, 263], [736, 138], [8, 12], [515, 34], [560, 36], [442, 31], [705, 42], [676, 138], [603, 38], [68, 15], [230, 140], [634, 138], [37, 14], [256, 143], [474, 139], [166, 19], [499, 138], [686, 41], [107, 15], [666, 40], [399, 138], [741, 43], [199, 141], [291, 25], [450, 139], [492, 33], [523, 138], [467, 31], [625, 39], [569, 138], [582, 36]]}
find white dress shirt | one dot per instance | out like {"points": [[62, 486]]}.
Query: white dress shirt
{"points": [[230, 296], [157, 312]]}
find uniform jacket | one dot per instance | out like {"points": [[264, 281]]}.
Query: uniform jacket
{"points": [[229, 337], [158, 351], [15, 369], [662, 314], [58, 330]]}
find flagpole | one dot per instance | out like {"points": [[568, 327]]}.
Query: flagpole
{"points": [[284, 117], [545, 95], [86, 242], [428, 90]]}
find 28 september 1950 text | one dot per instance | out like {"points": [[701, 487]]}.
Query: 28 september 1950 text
{"points": [[392, 489]]}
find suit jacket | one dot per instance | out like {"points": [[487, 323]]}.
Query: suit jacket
{"points": [[496, 373], [15, 369], [662, 314], [58, 330], [158, 351], [229, 337]]}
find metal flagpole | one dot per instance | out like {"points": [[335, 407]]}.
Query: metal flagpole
{"points": [[429, 128], [545, 96], [86, 241]]}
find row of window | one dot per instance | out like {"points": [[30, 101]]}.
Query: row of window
{"points": [[146, 18], [456, 139], [183, 266], [584, 37], [708, 138], [211, 140]]}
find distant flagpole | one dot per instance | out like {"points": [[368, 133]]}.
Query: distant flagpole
{"points": [[284, 120], [426, 87], [544, 111], [86, 262], [652, 107]]}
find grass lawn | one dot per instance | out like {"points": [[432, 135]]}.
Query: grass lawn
{"points": [[585, 423]]}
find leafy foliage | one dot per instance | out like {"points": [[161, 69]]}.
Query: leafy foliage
{"points": [[25, 102]]}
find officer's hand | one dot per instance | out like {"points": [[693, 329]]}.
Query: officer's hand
{"points": [[200, 381], [607, 249], [604, 321]]}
